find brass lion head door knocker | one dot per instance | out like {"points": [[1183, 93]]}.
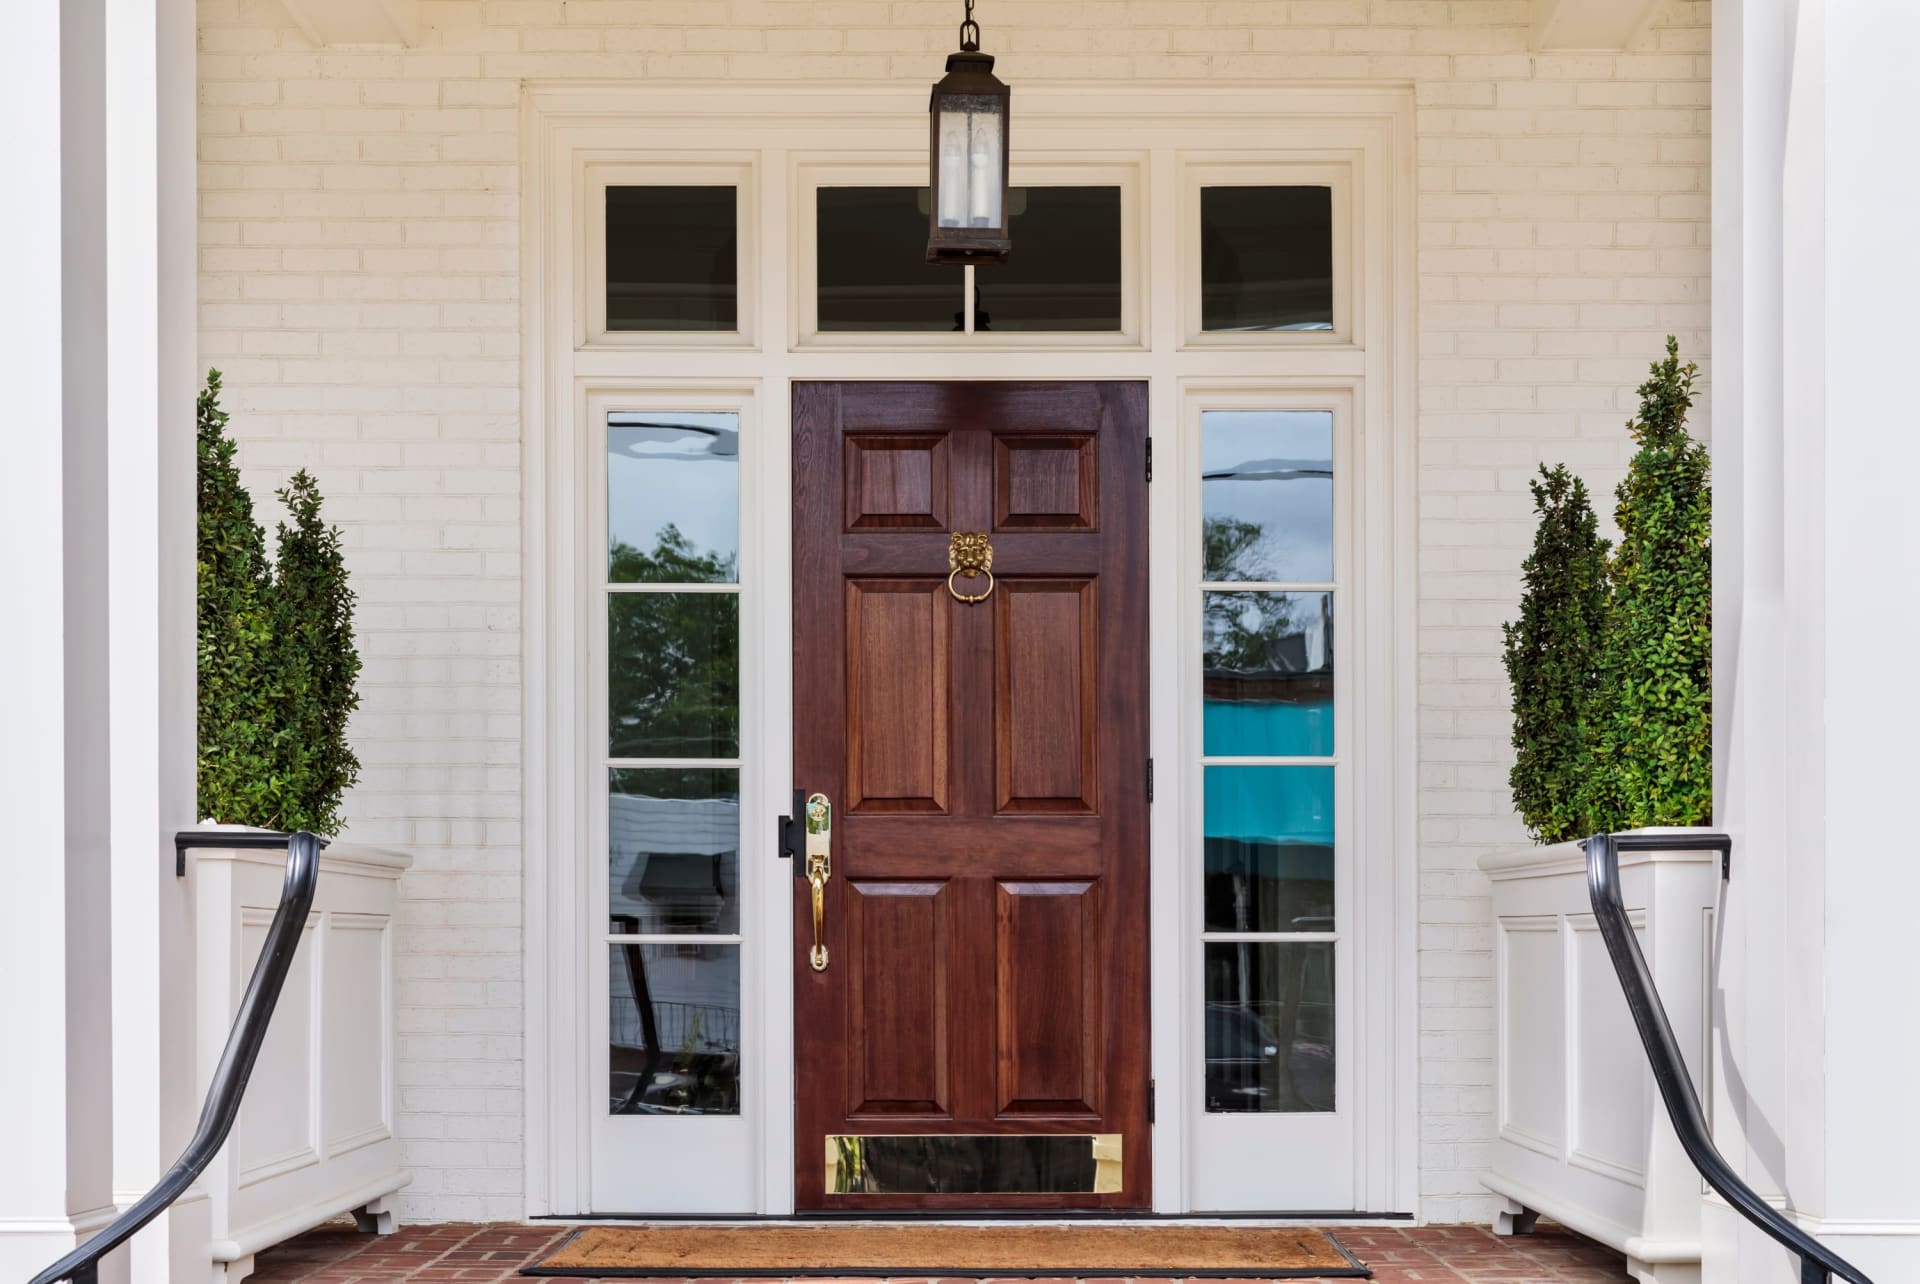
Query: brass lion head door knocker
{"points": [[970, 554]]}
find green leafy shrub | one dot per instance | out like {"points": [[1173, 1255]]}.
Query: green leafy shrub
{"points": [[277, 662], [1651, 738], [1612, 677], [312, 613], [236, 769], [1552, 656]]}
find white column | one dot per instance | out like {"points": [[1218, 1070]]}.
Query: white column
{"points": [[55, 1079], [1864, 1174], [1815, 267], [150, 385]]}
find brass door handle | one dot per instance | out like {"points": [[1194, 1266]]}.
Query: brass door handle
{"points": [[819, 823]]}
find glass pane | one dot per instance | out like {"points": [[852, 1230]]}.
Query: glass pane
{"points": [[1267, 665], [673, 498], [1266, 258], [971, 166], [1269, 1026], [1269, 849], [1266, 495], [674, 1029], [673, 675], [1064, 274], [974, 1164], [672, 258], [872, 263], [673, 851]]}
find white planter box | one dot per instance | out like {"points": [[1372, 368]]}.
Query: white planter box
{"points": [[314, 1138], [1582, 1135]]}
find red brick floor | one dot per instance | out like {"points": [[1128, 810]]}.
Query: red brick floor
{"points": [[1398, 1255]]}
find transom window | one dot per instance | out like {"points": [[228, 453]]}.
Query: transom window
{"points": [[1266, 258], [673, 258], [1064, 274]]}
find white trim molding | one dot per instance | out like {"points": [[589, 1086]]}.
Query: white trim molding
{"points": [[780, 142]]}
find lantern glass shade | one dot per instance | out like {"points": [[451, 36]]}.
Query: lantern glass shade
{"points": [[971, 162], [968, 222]]}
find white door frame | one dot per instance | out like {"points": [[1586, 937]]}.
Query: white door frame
{"points": [[782, 139]]}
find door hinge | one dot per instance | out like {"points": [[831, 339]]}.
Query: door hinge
{"points": [[1149, 780], [1150, 1104], [1149, 459]]}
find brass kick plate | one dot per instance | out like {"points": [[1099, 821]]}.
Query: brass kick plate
{"points": [[974, 1163]]}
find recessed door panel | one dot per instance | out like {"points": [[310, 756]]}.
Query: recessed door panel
{"points": [[1046, 706], [898, 990], [1046, 483], [1048, 998], [896, 482], [896, 711]]}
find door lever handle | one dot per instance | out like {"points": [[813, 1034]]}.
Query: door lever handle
{"points": [[819, 827]]}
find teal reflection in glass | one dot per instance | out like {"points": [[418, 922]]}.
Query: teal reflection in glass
{"points": [[673, 498], [1266, 495], [1267, 668], [1269, 849]]}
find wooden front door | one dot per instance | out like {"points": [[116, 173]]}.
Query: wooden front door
{"points": [[977, 1036]]}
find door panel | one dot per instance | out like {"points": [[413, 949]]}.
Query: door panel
{"points": [[899, 998], [1046, 696], [1047, 983], [896, 719], [985, 923]]}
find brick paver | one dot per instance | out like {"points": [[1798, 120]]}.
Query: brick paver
{"points": [[489, 1253]]}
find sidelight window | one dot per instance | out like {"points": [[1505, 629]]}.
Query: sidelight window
{"points": [[672, 655], [1267, 621]]}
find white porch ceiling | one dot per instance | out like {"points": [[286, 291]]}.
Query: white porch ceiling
{"points": [[1583, 26], [357, 22]]}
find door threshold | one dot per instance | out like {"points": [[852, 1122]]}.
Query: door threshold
{"points": [[986, 1218]]}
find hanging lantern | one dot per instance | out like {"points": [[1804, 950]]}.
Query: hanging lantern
{"points": [[968, 213]]}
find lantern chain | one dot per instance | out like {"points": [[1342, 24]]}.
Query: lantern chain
{"points": [[970, 32]]}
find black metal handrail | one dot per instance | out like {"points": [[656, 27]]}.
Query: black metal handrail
{"points": [[236, 1061], [1818, 1263]]}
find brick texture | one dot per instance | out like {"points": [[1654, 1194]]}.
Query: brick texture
{"points": [[359, 288]]}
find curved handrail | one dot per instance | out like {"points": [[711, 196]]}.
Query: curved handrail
{"points": [[1817, 1262], [236, 1061]]}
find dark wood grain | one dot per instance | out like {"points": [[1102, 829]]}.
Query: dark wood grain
{"points": [[896, 481], [899, 994], [1046, 483], [1048, 1000], [1046, 688], [987, 920], [896, 710]]}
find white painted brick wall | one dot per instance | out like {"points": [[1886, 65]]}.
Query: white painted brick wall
{"points": [[359, 287]]}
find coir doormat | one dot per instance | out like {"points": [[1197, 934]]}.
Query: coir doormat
{"points": [[870, 1249]]}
